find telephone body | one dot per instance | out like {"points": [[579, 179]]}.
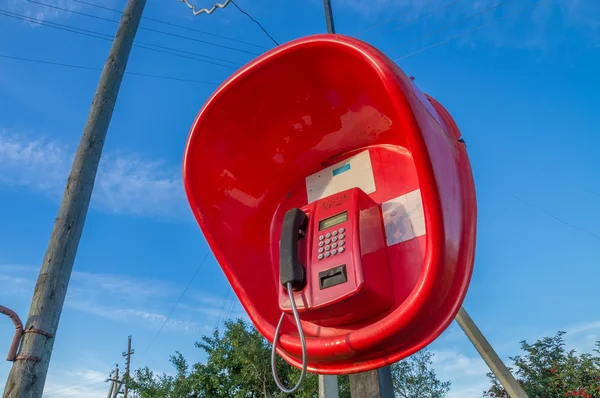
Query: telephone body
{"points": [[334, 252]]}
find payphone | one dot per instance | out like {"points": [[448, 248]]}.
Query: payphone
{"points": [[333, 252], [339, 203]]}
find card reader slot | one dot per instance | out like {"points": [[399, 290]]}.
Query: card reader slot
{"points": [[333, 277]]}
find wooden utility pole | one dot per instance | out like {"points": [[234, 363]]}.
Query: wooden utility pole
{"points": [[488, 354], [372, 384], [28, 374], [127, 355], [115, 385]]}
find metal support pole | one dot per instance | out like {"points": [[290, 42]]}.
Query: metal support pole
{"points": [[488, 354], [329, 16], [386, 386], [12, 352], [328, 387]]}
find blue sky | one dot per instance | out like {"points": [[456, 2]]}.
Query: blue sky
{"points": [[523, 89]]}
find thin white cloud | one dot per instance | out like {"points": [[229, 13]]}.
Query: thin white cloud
{"points": [[41, 12], [125, 183], [80, 382], [141, 301], [151, 320], [123, 285], [57, 13], [394, 18]]}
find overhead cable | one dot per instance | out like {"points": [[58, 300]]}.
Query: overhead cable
{"points": [[469, 31], [40, 61]]}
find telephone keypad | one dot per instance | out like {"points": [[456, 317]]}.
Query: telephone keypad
{"points": [[331, 244]]}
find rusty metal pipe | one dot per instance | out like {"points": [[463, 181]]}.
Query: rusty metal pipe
{"points": [[12, 352]]}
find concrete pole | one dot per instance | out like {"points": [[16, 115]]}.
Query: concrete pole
{"points": [[328, 387], [28, 374], [488, 354]]}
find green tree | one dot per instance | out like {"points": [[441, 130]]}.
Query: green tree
{"points": [[238, 364], [413, 378], [548, 370]]}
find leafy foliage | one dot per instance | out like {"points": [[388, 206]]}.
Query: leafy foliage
{"points": [[239, 365], [548, 370], [414, 378]]}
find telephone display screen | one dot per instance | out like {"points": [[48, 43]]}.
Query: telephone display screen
{"points": [[333, 220]]}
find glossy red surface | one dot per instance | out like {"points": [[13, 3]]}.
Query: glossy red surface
{"points": [[293, 111]]}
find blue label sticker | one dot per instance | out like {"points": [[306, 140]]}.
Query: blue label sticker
{"points": [[340, 170]]}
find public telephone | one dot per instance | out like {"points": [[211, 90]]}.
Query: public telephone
{"points": [[333, 252], [340, 204]]}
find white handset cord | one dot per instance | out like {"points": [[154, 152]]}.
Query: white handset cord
{"points": [[302, 343]]}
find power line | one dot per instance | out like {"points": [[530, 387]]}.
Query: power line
{"points": [[422, 16], [106, 37], [171, 24], [175, 306], [143, 28], [255, 21], [452, 25], [76, 384], [468, 31], [100, 69], [553, 216], [396, 17], [82, 392]]}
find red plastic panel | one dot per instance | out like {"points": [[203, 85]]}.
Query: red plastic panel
{"points": [[291, 113]]}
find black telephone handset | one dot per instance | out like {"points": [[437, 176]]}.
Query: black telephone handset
{"points": [[291, 270]]}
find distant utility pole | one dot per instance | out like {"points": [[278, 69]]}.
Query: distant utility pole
{"points": [[28, 374], [127, 355], [115, 385]]}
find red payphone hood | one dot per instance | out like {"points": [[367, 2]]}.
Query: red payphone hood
{"points": [[288, 114]]}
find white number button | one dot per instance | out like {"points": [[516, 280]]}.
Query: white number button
{"points": [[341, 249]]}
